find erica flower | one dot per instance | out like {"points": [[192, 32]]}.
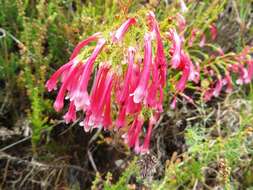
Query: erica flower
{"points": [[84, 43], [183, 6], [100, 98], [173, 103], [125, 90], [192, 36], [80, 96], [249, 70], [202, 40], [213, 30], [120, 122], [228, 81], [132, 137], [181, 23], [160, 60], [70, 116], [208, 94], [180, 86], [141, 89], [52, 82], [243, 73], [217, 88], [98, 86], [118, 34], [133, 107], [194, 72], [59, 102], [188, 72], [145, 147], [176, 49], [107, 120]]}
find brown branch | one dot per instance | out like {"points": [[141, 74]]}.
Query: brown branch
{"points": [[37, 164]]}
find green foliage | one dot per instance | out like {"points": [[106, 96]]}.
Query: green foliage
{"points": [[123, 182], [204, 150]]}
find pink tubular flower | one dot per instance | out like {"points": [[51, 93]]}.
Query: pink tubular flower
{"points": [[104, 89], [98, 86], [86, 123], [132, 107], [134, 131], [194, 74], [160, 59], [159, 68], [213, 30], [80, 96], [173, 103], [202, 40], [145, 147], [176, 46], [120, 122], [217, 88], [183, 6], [84, 43], [220, 51], [74, 84], [228, 81], [181, 23], [70, 116], [180, 86], [151, 20], [141, 89], [125, 90], [118, 34], [59, 102], [159, 105], [107, 115], [243, 73], [208, 94], [192, 37], [97, 116], [52, 82], [250, 71], [151, 99], [188, 72]]}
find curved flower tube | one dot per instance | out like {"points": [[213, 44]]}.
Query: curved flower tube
{"points": [[141, 89]]}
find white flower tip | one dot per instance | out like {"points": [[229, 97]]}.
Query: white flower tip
{"points": [[215, 94], [148, 36], [183, 6], [86, 128], [151, 13], [239, 81], [75, 61], [131, 49], [137, 96], [101, 41]]}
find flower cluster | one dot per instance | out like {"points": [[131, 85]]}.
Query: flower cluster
{"points": [[216, 70], [124, 95]]}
